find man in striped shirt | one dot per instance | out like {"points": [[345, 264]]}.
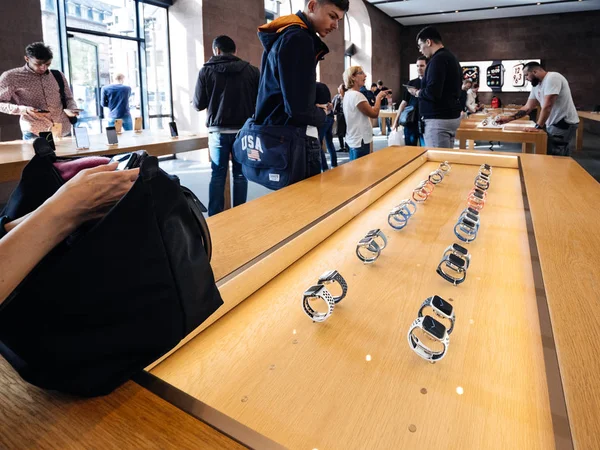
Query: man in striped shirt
{"points": [[33, 92]]}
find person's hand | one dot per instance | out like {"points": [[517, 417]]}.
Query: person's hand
{"points": [[382, 94], [329, 107], [322, 106], [531, 129], [92, 192], [34, 113], [502, 120], [71, 112], [413, 91]]}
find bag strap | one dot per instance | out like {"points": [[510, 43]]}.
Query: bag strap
{"points": [[61, 85], [196, 207]]}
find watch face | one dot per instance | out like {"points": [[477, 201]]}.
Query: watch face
{"points": [[478, 194], [442, 305], [373, 233], [487, 166], [468, 223], [433, 327], [495, 75], [456, 260], [460, 249], [327, 276], [471, 217], [473, 211], [365, 241], [518, 78], [311, 291], [471, 73]]}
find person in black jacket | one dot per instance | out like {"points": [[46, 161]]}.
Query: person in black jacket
{"points": [[227, 88], [439, 96], [287, 93]]}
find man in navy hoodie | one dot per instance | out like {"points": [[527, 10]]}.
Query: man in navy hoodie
{"points": [[287, 90]]}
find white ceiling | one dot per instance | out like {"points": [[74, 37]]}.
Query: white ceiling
{"points": [[435, 11]]}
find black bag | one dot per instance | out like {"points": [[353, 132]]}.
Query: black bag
{"points": [[117, 294], [408, 116], [63, 98], [273, 156]]}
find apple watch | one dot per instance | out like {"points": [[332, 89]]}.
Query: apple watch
{"points": [[367, 250], [466, 230], [482, 182], [436, 176], [469, 213], [479, 193], [495, 76], [445, 167], [459, 251], [333, 276], [317, 292], [476, 201], [398, 217], [409, 206], [486, 170], [441, 308], [420, 194], [452, 268], [433, 330]]}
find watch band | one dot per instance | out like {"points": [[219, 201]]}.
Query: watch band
{"points": [[317, 292], [370, 247], [466, 230], [459, 251], [486, 170], [429, 302], [378, 236], [482, 182], [437, 176], [452, 268], [419, 346], [333, 276], [398, 217], [445, 167]]}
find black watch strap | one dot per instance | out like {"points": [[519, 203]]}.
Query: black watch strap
{"points": [[3, 221]]}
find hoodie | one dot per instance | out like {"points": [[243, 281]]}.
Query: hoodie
{"points": [[288, 78], [227, 88]]}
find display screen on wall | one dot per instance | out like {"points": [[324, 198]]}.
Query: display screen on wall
{"points": [[493, 76]]}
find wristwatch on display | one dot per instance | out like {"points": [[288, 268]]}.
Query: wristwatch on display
{"points": [[367, 250], [495, 76], [398, 217], [441, 308], [333, 276], [433, 330], [409, 206], [482, 182], [479, 193], [476, 201], [486, 170], [452, 268], [436, 176], [317, 292], [518, 77], [459, 251], [466, 214], [445, 167], [378, 236], [466, 230]]}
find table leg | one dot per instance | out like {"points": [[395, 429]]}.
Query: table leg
{"points": [[462, 143], [383, 126], [579, 146], [471, 144], [227, 190]]}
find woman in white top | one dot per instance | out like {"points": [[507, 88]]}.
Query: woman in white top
{"points": [[472, 105], [358, 113]]}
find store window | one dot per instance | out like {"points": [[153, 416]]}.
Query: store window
{"points": [[50, 30]]}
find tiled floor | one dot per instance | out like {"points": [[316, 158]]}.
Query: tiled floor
{"points": [[194, 169]]}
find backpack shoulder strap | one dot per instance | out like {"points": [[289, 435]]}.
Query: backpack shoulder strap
{"points": [[61, 85]]}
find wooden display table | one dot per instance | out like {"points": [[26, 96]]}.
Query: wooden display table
{"points": [[386, 114], [584, 115], [468, 130], [524, 340], [14, 155]]}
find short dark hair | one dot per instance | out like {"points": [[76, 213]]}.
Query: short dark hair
{"points": [[423, 58], [224, 43], [374, 85], [379, 83], [39, 51], [532, 65], [475, 85], [430, 33], [344, 5]]}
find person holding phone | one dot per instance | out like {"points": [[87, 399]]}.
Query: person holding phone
{"points": [[35, 93], [410, 120], [358, 113]]}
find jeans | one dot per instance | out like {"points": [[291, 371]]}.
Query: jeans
{"points": [[127, 122], [29, 136], [325, 133], [359, 152], [220, 146], [441, 132], [560, 140], [313, 156], [413, 137], [388, 123]]}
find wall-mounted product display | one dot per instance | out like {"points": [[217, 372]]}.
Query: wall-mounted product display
{"points": [[493, 76]]}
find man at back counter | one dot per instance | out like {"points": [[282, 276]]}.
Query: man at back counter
{"points": [[558, 116], [34, 93]]}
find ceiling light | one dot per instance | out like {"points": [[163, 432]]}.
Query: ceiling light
{"points": [[495, 7], [456, 11], [539, 3]]}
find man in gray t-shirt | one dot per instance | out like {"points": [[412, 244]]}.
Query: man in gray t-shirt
{"points": [[558, 115]]}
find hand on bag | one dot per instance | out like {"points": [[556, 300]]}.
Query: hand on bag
{"points": [[91, 193]]}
